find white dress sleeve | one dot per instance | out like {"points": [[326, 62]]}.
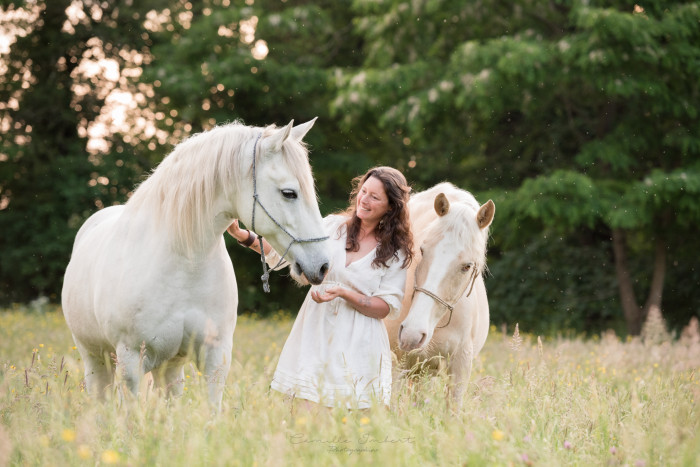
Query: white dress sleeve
{"points": [[392, 285], [272, 258]]}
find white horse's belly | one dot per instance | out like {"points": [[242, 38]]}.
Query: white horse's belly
{"points": [[133, 293], [78, 300]]}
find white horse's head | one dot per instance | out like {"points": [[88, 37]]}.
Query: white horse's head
{"points": [[453, 255], [208, 180], [286, 212]]}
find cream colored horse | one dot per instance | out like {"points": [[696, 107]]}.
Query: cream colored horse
{"points": [[445, 311], [151, 280]]}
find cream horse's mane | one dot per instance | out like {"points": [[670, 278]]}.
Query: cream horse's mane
{"points": [[460, 221], [181, 191]]}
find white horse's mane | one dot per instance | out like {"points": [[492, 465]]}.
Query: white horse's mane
{"points": [[181, 191]]}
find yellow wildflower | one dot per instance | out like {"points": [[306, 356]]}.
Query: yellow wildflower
{"points": [[68, 435], [110, 457]]}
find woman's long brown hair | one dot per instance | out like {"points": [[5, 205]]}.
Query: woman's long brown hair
{"points": [[394, 232]]}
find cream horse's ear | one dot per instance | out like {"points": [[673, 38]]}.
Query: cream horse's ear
{"points": [[299, 131], [485, 214], [442, 205]]}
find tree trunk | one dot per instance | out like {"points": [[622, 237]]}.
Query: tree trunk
{"points": [[656, 289], [630, 308], [634, 314]]}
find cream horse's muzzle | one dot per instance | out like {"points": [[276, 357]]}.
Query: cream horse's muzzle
{"points": [[415, 339]]}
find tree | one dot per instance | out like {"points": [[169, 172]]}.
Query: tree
{"points": [[49, 181], [586, 114], [262, 63]]}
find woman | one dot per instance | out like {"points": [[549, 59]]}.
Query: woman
{"points": [[338, 350]]}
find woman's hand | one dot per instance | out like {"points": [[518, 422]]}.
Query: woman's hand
{"points": [[330, 294], [236, 232], [374, 307]]}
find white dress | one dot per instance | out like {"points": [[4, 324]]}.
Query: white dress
{"points": [[334, 354]]}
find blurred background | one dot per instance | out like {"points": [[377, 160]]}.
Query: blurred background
{"points": [[580, 119]]}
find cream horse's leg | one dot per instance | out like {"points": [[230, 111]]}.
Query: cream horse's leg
{"points": [[460, 369]]}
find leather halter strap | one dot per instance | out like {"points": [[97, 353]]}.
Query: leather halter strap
{"points": [[441, 301]]}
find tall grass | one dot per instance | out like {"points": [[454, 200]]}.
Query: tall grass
{"points": [[531, 401]]}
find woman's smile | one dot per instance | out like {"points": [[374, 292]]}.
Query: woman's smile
{"points": [[372, 201]]}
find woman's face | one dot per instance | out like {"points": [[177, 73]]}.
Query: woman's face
{"points": [[372, 201]]}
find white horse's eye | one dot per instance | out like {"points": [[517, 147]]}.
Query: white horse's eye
{"points": [[467, 267], [289, 194]]}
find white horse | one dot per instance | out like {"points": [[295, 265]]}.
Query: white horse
{"points": [[445, 311], [151, 280]]}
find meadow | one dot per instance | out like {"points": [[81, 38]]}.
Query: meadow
{"points": [[531, 401]]}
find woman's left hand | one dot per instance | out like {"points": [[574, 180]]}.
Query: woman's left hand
{"points": [[236, 232], [329, 294]]}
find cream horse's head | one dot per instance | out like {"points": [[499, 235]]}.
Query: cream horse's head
{"points": [[286, 209], [453, 256]]}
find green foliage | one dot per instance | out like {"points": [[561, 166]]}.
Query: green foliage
{"points": [[555, 283], [576, 117], [563, 199], [48, 182]]}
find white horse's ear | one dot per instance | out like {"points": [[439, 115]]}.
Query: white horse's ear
{"points": [[299, 131], [442, 205], [278, 137], [485, 214]]}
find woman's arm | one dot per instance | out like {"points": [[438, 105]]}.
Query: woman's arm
{"points": [[374, 307], [247, 238]]}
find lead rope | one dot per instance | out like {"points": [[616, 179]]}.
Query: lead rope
{"points": [[256, 200], [266, 272]]}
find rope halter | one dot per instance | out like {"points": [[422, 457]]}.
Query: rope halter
{"points": [[256, 201], [443, 302]]}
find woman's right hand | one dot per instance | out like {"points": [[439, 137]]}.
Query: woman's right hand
{"points": [[236, 232]]}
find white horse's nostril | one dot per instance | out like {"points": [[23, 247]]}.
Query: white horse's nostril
{"points": [[324, 270], [422, 339]]}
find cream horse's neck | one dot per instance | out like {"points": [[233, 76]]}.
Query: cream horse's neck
{"points": [[421, 220]]}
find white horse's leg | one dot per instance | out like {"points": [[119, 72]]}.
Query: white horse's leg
{"points": [[129, 365], [171, 377], [98, 374], [217, 363]]}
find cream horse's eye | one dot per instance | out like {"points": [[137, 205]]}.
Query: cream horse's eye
{"points": [[467, 267]]}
